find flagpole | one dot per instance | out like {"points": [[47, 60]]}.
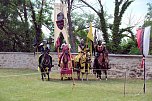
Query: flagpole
{"points": [[144, 75], [58, 54], [91, 48], [37, 57], [71, 67]]}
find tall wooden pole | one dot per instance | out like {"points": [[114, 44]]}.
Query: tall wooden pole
{"points": [[144, 74], [58, 51], [125, 83]]}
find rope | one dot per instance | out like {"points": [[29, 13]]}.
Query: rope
{"points": [[19, 75]]}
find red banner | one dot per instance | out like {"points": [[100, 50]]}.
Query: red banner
{"points": [[139, 36]]}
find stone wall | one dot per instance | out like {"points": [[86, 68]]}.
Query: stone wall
{"points": [[129, 65], [120, 64]]}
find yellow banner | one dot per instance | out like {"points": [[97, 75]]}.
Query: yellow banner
{"points": [[90, 35]]}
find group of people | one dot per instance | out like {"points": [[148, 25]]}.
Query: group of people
{"points": [[83, 48], [98, 48]]}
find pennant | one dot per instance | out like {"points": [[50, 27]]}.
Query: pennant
{"points": [[139, 36], [146, 40], [90, 35]]}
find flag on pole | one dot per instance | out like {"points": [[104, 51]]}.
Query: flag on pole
{"points": [[143, 41], [90, 35], [60, 22], [146, 41]]}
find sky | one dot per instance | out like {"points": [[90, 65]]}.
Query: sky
{"points": [[136, 12], [134, 15]]}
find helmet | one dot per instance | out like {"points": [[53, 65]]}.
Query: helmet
{"points": [[99, 42], [82, 42], [41, 44], [47, 50]]}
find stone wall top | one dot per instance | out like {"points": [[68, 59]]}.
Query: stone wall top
{"points": [[55, 53]]}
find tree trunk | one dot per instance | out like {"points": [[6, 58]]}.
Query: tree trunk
{"points": [[71, 35], [103, 27], [37, 24], [116, 38]]}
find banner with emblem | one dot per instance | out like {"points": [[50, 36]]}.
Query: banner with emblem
{"points": [[60, 22]]}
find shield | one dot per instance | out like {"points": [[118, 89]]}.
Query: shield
{"points": [[60, 20], [60, 24]]}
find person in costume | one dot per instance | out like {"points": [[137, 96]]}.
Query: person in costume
{"points": [[100, 48], [47, 50], [65, 50]]}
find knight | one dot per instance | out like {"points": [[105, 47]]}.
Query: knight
{"points": [[81, 46], [65, 50], [46, 51], [81, 51], [99, 48]]}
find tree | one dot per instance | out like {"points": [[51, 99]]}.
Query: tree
{"points": [[13, 26], [37, 20], [16, 26], [129, 43], [120, 8]]}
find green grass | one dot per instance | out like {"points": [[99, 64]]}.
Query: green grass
{"points": [[31, 88]]}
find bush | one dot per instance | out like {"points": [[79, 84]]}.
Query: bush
{"points": [[130, 47]]}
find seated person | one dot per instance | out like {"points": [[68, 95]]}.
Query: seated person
{"points": [[46, 51], [99, 49], [65, 51], [82, 46]]}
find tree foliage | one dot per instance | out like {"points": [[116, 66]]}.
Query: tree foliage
{"points": [[120, 8], [20, 20], [81, 23], [14, 26]]}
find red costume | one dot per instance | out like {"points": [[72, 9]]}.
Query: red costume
{"points": [[65, 62]]}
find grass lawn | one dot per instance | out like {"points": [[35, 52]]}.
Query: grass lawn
{"points": [[29, 87]]}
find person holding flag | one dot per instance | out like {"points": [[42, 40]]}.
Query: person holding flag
{"points": [[81, 46]]}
